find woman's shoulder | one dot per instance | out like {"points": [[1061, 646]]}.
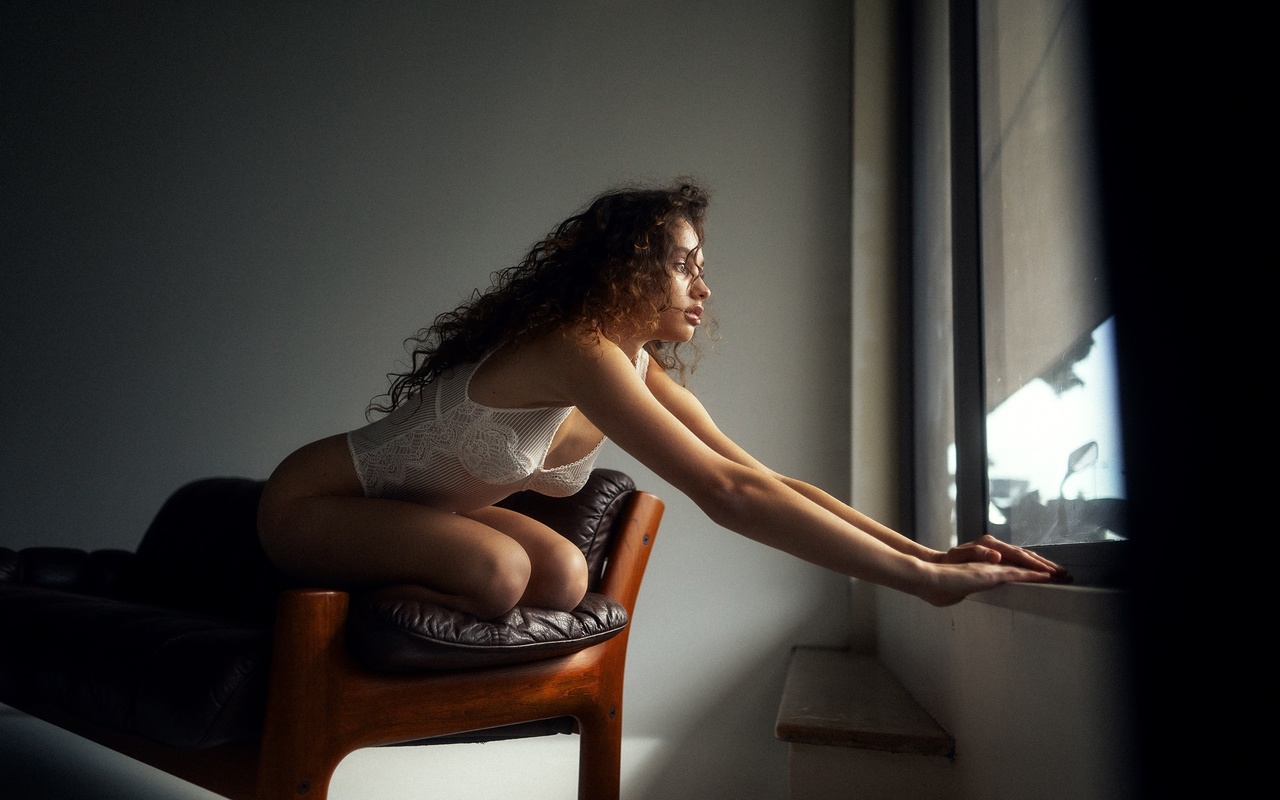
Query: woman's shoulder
{"points": [[570, 346], [575, 359]]}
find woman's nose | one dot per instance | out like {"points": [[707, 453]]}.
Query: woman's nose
{"points": [[700, 289]]}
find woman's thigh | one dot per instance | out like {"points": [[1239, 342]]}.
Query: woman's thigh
{"points": [[358, 541], [316, 524]]}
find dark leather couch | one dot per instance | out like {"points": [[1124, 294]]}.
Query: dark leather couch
{"points": [[173, 643]]}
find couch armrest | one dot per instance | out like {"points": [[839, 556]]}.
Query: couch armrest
{"points": [[10, 566], [65, 568]]}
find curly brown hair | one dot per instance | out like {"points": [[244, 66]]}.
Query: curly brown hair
{"points": [[604, 270]]}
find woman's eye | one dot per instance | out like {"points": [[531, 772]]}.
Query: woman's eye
{"points": [[682, 268]]}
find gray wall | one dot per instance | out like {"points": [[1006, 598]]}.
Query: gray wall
{"points": [[220, 221]]}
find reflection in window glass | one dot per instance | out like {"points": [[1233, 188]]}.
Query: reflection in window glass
{"points": [[1055, 461]]}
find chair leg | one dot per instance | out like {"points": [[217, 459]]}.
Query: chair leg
{"points": [[297, 756], [294, 779], [600, 753]]}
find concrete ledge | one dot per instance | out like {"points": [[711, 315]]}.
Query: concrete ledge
{"points": [[835, 698], [841, 773]]}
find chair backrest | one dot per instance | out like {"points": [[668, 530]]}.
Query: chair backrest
{"points": [[202, 552]]}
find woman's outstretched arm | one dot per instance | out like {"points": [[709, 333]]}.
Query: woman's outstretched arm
{"points": [[689, 410], [668, 433]]}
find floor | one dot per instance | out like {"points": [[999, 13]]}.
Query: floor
{"points": [[41, 762]]}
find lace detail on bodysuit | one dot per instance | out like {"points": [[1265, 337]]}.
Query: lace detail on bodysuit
{"points": [[489, 452], [443, 449]]}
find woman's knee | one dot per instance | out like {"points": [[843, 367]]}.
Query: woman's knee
{"points": [[574, 567], [560, 579], [500, 580]]}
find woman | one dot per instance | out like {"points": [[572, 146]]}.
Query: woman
{"points": [[518, 389]]}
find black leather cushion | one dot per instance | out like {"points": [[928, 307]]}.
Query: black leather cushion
{"points": [[401, 633], [176, 677], [394, 634]]}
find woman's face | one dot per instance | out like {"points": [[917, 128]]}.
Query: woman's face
{"points": [[688, 290]]}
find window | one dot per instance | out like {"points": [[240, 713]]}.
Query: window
{"points": [[1014, 377]]}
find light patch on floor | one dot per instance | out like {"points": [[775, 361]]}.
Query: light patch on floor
{"points": [[545, 768]]}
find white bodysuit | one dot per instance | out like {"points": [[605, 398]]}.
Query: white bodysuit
{"points": [[442, 449]]}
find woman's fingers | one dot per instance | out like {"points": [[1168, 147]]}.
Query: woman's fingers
{"points": [[956, 581], [1021, 557], [991, 550]]}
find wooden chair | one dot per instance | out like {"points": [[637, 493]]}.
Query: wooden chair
{"points": [[323, 705]]}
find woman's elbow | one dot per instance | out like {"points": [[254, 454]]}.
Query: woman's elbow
{"points": [[733, 500]]}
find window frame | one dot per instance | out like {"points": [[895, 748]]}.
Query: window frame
{"points": [[1096, 563]]}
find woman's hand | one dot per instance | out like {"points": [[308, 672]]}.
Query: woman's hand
{"points": [[984, 563], [990, 550], [951, 582]]}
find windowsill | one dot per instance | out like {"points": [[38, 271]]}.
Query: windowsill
{"points": [[1103, 564], [1092, 606]]}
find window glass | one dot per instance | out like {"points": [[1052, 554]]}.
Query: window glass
{"points": [[1055, 468]]}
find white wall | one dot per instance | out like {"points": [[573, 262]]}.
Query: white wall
{"points": [[1032, 681], [220, 221]]}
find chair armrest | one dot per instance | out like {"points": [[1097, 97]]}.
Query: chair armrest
{"points": [[628, 553]]}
